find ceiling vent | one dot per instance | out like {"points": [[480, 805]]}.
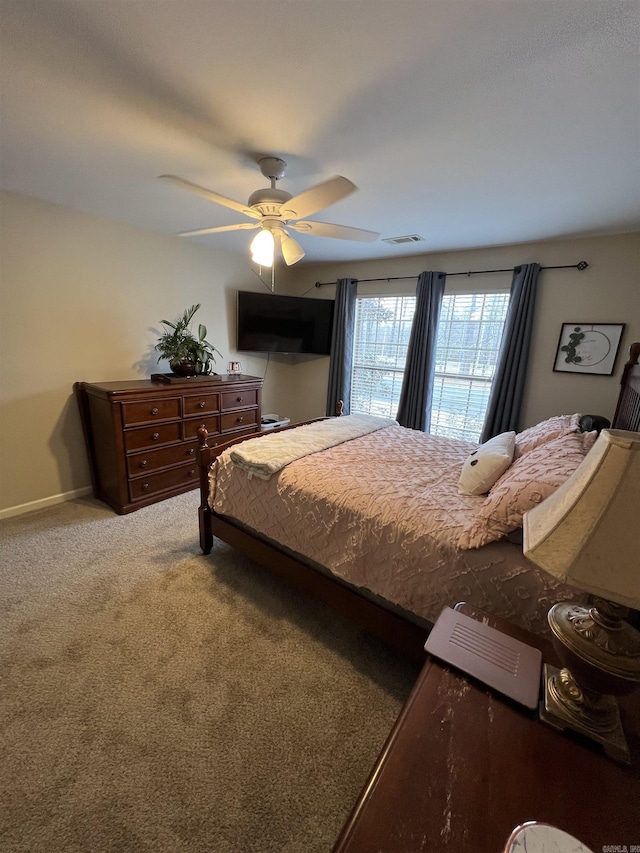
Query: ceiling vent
{"points": [[399, 241]]}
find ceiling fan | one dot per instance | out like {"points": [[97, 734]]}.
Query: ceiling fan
{"points": [[277, 211]]}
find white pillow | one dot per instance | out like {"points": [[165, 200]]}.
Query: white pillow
{"points": [[487, 464]]}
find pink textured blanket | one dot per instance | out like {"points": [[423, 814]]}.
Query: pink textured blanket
{"points": [[383, 512]]}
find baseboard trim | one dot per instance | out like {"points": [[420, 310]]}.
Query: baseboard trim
{"points": [[42, 503]]}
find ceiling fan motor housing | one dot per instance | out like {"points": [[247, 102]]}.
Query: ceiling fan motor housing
{"points": [[267, 201]]}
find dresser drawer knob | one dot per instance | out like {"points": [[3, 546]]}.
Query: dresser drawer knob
{"points": [[202, 404], [155, 436], [154, 411], [192, 450], [143, 463], [192, 472], [145, 486], [238, 399], [239, 419]]}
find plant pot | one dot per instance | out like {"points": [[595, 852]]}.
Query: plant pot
{"points": [[184, 368]]}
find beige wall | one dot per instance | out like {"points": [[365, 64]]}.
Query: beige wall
{"points": [[82, 298], [607, 292]]}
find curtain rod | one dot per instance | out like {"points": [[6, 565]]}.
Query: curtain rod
{"points": [[582, 265]]}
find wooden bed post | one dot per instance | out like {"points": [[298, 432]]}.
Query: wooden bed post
{"points": [[204, 512], [627, 414]]}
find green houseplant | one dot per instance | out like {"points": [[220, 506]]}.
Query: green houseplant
{"points": [[186, 353]]}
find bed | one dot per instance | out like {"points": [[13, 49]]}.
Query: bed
{"points": [[375, 526]]}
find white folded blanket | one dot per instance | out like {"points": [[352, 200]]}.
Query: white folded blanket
{"points": [[262, 457]]}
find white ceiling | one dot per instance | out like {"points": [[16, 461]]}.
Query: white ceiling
{"points": [[471, 123]]}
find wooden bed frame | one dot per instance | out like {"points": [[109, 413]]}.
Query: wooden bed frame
{"points": [[401, 630], [627, 415]]}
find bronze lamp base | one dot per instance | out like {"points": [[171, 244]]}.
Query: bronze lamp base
{"points": [[600, 653], [563, 708]]}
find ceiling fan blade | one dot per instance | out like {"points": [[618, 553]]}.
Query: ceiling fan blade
{"points": [[339, 232], [240, 227], [292, 252], [211, 196], [317, 198]]}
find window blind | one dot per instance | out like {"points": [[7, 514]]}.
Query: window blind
{"points": [[468, 342]]}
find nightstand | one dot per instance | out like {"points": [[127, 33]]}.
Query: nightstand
{"points": [[463, 766]]}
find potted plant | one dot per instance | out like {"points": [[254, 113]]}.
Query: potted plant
{"points": [[186, 353]]}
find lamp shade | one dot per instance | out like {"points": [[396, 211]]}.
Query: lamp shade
{"points": [[292, 251], [587, 533], [262, 248]]}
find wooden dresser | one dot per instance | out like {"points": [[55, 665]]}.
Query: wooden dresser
{"points": [[141, 435]]}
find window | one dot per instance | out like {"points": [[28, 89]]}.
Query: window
{"points": [[469, 335], [383, 326]]}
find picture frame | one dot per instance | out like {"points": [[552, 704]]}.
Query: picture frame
{"points": [[588, 348]]}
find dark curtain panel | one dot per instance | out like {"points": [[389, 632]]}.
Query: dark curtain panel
{"points": [[341, 361], [414, 409], [505, 399]]}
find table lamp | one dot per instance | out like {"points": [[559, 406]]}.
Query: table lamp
{"points": [[587, 534]]}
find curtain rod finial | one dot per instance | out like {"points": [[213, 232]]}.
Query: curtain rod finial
{"points": [[582, 265]]}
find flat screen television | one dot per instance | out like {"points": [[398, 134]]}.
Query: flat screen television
{"points": [[268, 322]]}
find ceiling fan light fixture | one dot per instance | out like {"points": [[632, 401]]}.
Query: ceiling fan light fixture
{"points": [[262, 248], [292, 252]]}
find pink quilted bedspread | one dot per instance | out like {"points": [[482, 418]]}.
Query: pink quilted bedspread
{"points": [[383, 512]]}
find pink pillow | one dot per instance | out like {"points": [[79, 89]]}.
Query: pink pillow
{"points": [[530, 480], [533, 437]]}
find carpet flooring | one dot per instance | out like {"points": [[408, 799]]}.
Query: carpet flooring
{"points": [[154, 699]]}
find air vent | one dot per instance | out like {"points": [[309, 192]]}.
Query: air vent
{"points": [[398, 241]]}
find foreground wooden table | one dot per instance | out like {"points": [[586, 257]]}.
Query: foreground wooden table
{"points": [[463, 766]]}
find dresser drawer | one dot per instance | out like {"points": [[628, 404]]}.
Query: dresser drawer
{"points": [[146, 411], [151, 436], [238, 399], [237, 420], [192, 426], [145, 463], [201, 404], [142, 487]]}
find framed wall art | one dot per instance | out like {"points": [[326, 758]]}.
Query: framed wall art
{"points": [[588, 347]]}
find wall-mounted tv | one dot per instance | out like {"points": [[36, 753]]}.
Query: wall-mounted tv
{"points": [[268, 322]]}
